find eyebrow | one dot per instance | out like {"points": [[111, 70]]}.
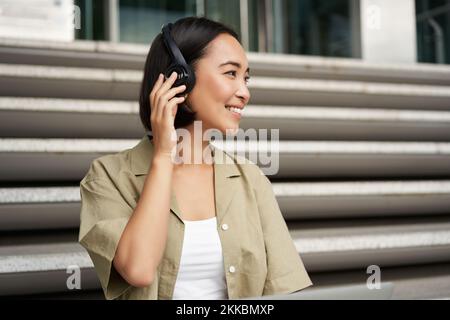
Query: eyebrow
{"points": [[234, 63]]}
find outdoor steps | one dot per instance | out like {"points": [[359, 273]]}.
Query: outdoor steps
{"points": [[99, 54], [60, 118], [346, 245], [90, 83], [59, 207], [364, 161], [34, 159]]}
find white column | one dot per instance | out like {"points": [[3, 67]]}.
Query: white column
{"points": [[388, 31], [244, 24], [113, 20], [39, 20]]}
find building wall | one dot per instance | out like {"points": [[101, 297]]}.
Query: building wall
{"points": [[404, 31]]}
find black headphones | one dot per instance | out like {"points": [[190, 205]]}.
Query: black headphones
{"points": [[185, 73]]}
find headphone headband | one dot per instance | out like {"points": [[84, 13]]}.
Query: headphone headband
{"points": [[174, 52], [178, 64]]}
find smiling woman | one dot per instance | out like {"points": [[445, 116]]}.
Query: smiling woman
{"points": [[156, 230], [221, 70]]}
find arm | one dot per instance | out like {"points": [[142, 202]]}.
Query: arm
{"points": [[135, 260], [105, 216]]}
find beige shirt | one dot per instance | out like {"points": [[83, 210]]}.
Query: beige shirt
{"points": [[259, 255]]}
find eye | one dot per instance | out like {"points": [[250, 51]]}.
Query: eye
{"points": [[234, 74]]}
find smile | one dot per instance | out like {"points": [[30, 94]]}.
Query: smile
{"points": [[235, 111]]}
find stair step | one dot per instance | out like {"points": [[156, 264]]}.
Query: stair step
{"points": [[80, 53], [429, 281], [327, 249], [61, 118], [69, 82], [352, 244], [295, 66], [69, 159], [99, 54], [324, 200], [59, 207], [42, 268]]}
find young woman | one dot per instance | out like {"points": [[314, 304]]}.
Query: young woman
{"points": [[156, 228]]}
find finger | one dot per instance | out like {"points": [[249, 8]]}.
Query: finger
{"points": [[163, 105], [164, 88], [159, 81], [171, 106], [168, 84], [164, 99], [153, 101], [155, 88], [172, 92], [168, 106]]}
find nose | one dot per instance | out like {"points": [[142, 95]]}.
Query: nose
{"points": [[243, 93]]}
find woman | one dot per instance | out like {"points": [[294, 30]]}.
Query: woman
{"points": [[156, 228]]}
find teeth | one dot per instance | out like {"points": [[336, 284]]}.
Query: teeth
{"points": [[237, 110]]}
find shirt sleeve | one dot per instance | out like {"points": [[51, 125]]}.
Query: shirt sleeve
{"points": [[103, 217], [285, 269]]}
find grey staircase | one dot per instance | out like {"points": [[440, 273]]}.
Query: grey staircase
{"points": [[364, 161]]}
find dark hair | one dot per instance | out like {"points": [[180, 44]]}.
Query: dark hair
{"points": [[192, 36]]}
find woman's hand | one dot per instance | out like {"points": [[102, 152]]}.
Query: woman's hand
{"points": [[164, 106]]}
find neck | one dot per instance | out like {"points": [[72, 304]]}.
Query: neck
{"points": [[193, 151]]}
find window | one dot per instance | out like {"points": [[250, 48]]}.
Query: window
{"points": [[433, 31], [141, 20], [93, 20]]}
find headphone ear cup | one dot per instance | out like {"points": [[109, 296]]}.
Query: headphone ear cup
{"points": [[174, 67], [186, 76], [190, 83]]}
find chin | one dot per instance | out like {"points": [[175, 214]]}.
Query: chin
{"points": [[231, 130]]}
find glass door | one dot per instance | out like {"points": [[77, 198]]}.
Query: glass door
{"points": [[141, 20], [433, 31]]}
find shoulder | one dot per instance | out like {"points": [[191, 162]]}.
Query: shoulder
{"points": [[108, 166], [249, 169]]}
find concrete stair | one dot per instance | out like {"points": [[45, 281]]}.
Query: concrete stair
{"points": [[47, 118], [364, 161]]}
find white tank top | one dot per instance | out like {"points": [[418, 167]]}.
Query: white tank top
{"points": [[201, 273]]}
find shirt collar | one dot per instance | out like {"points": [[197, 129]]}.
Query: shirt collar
{"points": [[142, 154], [224, 169]]}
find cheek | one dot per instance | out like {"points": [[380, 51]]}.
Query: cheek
{"points": [[210, 95], [218, 89]]}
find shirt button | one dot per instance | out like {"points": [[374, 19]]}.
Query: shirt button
{"points": [[224, 226], [232, 269]]}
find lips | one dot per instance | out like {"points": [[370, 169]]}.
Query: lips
{"points": [[235, 112], [235, 109]]}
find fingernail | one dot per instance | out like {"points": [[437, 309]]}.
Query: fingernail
{"points": [[174, 73]]}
